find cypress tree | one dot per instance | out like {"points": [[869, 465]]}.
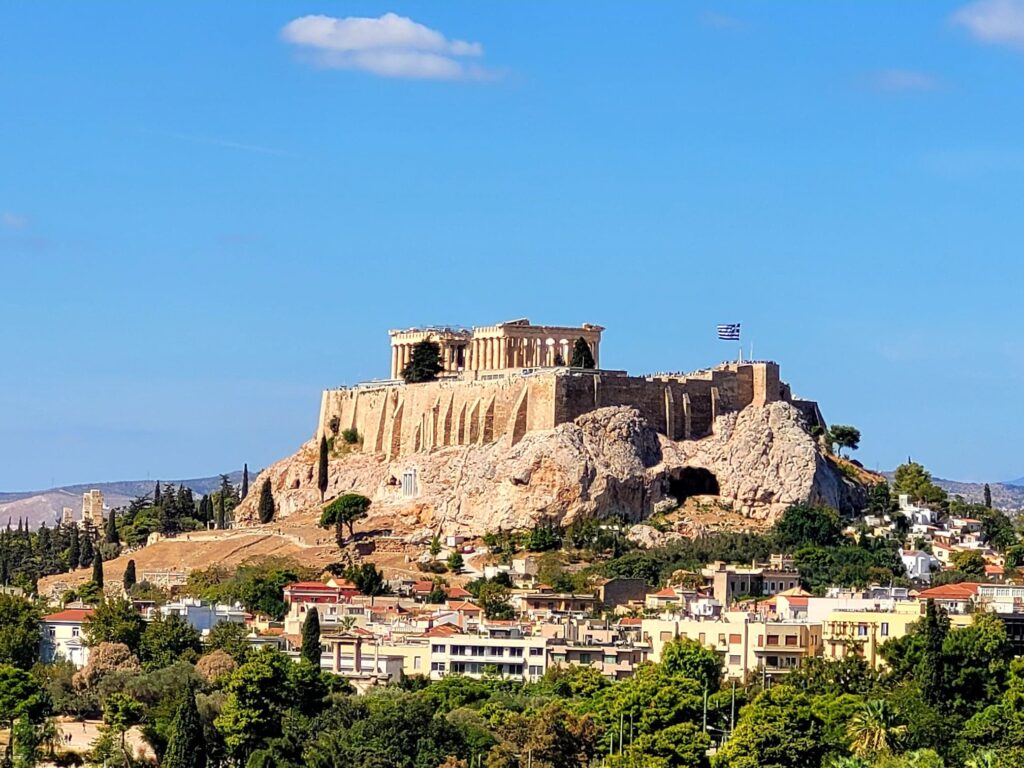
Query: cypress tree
{"points": [[266, 508], [245, 480], [582, 357], [221, 517], [311, 638], [186, 747], [129, 576], [112, 535], [74, 548], [321, 477], [97, 570], [156, 495], [85, 545], [988, 496], [932, 668]]}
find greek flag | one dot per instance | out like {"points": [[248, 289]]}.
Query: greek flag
{"points": [[729, 332]]}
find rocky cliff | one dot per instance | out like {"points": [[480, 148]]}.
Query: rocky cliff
{"points": [[758, 461]]}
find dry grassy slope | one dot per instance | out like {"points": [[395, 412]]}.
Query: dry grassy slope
{"points": [[297, 540]]}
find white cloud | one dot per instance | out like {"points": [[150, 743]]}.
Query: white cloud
{"points": [[999, 22], [389, 46], [898, 80], [12, 220]]}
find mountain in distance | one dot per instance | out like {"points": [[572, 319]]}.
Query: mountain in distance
{"points": [[45, 506], [1005, 496], [1018, 483]]}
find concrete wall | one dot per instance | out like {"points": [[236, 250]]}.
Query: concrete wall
{"points": [[398, 419]]}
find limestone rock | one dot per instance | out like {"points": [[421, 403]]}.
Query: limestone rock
{"points": [[609, 461], [648, 537]]}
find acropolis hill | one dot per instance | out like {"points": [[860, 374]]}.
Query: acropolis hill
{"points": [[508, 435]]}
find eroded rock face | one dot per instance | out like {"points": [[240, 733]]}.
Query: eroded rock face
{"points": [[608, 461]]}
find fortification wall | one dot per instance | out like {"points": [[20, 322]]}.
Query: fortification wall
{"points": [[400, 419], [396, 419]]}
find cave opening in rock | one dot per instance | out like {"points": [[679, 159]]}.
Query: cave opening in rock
{"points": [[692, 481]]}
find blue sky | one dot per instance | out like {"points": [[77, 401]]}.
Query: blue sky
{"points": [[210, 212]]}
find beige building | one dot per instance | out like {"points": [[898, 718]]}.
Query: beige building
{"points": [[92, 508], [729, 582], [513, 344], [747, 643]]}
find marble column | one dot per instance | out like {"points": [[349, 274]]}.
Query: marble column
{"points": [[394, 362]]}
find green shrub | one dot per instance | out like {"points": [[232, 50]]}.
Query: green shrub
{"points": [[350, 436]]}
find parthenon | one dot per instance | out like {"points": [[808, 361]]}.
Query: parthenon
{"points": [[513, 344]]}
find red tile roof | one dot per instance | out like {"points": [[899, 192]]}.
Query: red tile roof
{"points": [[459, 592], [464, 606], [70, 615], [423, 586], [962, 591], [666, 592], [632, 621], [314, 585], [442, 630]]}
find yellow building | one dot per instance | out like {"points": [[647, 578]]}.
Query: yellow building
{"points": [[863, 632]]}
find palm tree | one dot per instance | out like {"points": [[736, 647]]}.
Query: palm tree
{"points": [[873, 730]]}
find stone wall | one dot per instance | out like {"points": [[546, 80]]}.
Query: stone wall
{"points": [[396, 419]]}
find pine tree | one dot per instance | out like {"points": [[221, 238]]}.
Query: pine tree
{"points": [[129, 576], [988, 496], [157, 495], [311, 638], [582, 357], [74, 548], [186, 747], [424, 363], [245, 480], [266, 507], [112, 535], [321, 477], [86, 557], [97, 570]]}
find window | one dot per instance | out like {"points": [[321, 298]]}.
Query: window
{"points": [[666, 637], [416, 662], [437, 666], [885, 629], [584, 658], [791, 639], [721, 639], [515, 651], [734, 659], [773, 639], [437, 648], [734, 639], [772, 661], [74, 631], [536, 671], [862, 630], [536, 651], [52, 631], [410, 483]]}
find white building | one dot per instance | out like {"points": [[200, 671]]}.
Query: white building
{"points": [[500, 650], [919, 564], [203, 616], [63, 636]]}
